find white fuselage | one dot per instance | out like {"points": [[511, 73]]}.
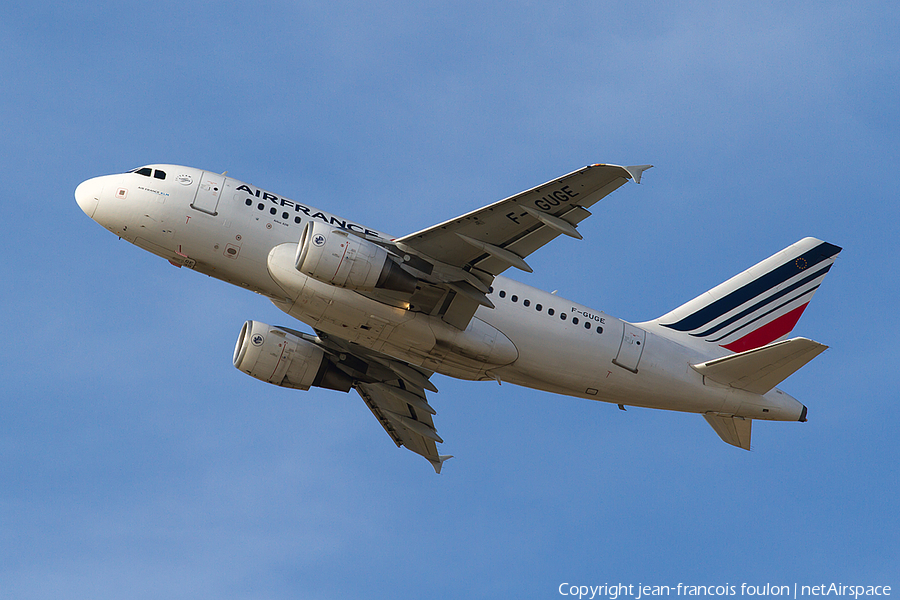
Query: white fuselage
{"points": [[247, 236]]}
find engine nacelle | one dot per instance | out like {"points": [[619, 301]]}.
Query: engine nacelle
{"points": [[281, 358], [338, 257]]}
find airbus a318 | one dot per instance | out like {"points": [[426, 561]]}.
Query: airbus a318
{"points": [[388, 312]]}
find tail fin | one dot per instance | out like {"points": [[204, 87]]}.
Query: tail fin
{"points": [[758, 306]]}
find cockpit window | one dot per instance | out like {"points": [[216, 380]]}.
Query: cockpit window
{"points": [[148, 172]]}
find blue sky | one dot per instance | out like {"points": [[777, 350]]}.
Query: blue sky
{"points": [[136, 462]]}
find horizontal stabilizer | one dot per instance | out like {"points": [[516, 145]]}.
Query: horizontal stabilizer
{"points": [[732, 430], [761, 369]]}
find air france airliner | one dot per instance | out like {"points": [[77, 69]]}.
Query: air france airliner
{"points": [[388, 312]]}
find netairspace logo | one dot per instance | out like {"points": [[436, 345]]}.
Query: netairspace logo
{"points": [[795, 591]]}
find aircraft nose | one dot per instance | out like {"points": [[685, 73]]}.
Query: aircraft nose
{"points": [[87, 195]]}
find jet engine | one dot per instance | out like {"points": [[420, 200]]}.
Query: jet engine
{"points": [[338, 257], [279, 357]]}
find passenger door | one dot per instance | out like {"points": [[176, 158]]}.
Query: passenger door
{"points": [[208, 193], [631, 348]]}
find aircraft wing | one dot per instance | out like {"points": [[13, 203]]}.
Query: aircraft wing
{"points": [[464, 254], [406, 416], [392, 389], [520, 224]]}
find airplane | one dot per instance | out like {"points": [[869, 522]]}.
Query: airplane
{"points": [[388, 312]]}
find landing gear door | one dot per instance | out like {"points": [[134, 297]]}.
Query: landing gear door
{"points": [[631, 348], [208, 193]]}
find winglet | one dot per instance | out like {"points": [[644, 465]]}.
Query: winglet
{"points": [[437, 464], [636, 171]]}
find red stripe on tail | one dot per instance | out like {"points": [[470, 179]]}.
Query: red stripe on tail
{"points": [[769, 332]]}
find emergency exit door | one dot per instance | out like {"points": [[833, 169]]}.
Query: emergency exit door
{"points": [[631, 348], [208, 193]]}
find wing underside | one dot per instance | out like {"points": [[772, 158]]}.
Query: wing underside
{"points": [[456, 261], [394, 391], [522, 223], [406, 417]]}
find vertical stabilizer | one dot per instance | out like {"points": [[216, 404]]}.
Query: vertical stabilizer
{"points": [[760, 305]]}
